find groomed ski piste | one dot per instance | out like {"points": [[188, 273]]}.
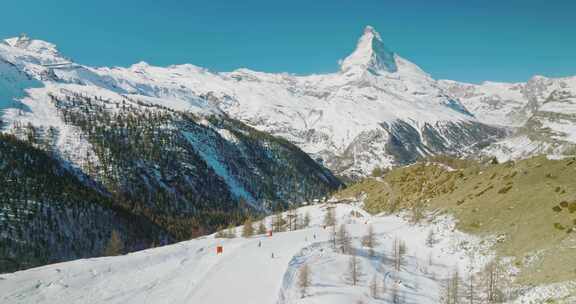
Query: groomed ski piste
{"points": [[264, 269]]}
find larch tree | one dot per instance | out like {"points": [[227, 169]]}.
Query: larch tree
{"points": [[394, 293], [430, 238], [450, 293], [330, 216], [306, 220], [304, 280], [278, 223], [344, 239], [455, 283], [292, 217], [398, 251], [471, 285], [369, 240], [417, 211], [248, 229], [333, 237], [374, 290], [231, 231], [261, 227], [354, 269], [496, 282], [115, 245], [220, 232]]}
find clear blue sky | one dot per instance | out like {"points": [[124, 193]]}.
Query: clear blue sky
{"points": [[471, 40]]}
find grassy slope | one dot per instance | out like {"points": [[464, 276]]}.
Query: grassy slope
{"points": [[514, 200]]}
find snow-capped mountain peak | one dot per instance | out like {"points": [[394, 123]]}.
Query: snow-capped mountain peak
{"points": [[32, 45], [370, 55]]}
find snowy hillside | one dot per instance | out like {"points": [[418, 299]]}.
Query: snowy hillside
{"points": [[264, 269], [192, 272]]}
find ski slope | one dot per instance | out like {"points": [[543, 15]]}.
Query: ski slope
{"points": [[192, 272]]}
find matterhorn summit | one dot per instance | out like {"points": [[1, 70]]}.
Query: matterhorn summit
{"points": [[370, 55]]}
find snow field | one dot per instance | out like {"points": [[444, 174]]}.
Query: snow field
{"points": [[191, 272]]}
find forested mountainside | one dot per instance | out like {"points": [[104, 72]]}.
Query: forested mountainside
{"points": [[185, 170], [48, 215], [166, 171]]}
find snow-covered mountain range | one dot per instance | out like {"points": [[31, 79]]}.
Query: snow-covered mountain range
{"points": [[378, 110]]}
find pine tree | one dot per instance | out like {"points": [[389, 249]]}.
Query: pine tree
{"points": [[115, 245]]}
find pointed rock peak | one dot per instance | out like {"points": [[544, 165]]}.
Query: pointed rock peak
{"points": [[370, 30], [370, 55]]}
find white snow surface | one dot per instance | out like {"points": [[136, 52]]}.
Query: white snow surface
{"points": [[494, 103], [192, 272]]}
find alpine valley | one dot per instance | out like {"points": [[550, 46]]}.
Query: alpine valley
{"points": [[163, 154]]}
